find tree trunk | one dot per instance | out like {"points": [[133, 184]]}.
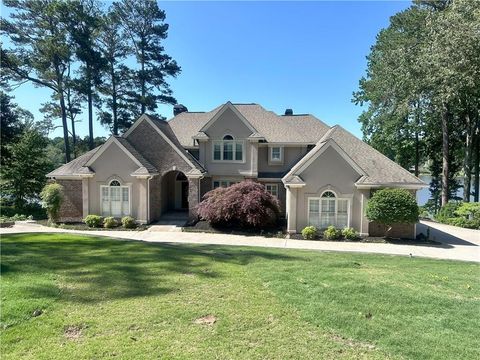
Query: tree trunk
{"points": [[445, 160], [476, 168], [467, 164], [72, 121], [417, 154], [114, 100], [142, 82], [63, 111], [91, 144]]}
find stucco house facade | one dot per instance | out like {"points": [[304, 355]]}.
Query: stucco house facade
{"points": [[321, 175]]}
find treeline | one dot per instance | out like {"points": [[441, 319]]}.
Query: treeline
{"points": [[422, 89], [107, 62], [27, 155]]}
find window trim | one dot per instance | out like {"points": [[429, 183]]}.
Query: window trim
{"points": [[234, 142], [272, 185], [228, 181], [336, 198], [122, 185], [273, 161]]}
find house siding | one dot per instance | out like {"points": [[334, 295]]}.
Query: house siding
{"points": [[165, 158], [71, 209]]}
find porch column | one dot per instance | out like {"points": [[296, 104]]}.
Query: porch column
{"points": [[193, 195], [85, 197], [291, 209]]}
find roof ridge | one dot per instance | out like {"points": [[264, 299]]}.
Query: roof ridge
{"points": [[376, 151]]}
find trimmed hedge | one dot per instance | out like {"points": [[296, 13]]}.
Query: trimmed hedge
{"points": [[93, 221]]}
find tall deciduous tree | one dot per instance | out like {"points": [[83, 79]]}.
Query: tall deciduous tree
{"points": [[23, 177], [40, 53], [144, 24], [13, 121]]}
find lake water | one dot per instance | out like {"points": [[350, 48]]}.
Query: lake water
{"points": [[424, 194]]}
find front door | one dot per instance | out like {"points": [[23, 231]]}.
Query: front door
{"points": [[184, 194]]}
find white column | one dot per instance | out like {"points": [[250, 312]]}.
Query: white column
{"points": [[291, 210], [85, 197]]}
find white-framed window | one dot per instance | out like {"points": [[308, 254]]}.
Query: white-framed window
{"points": [[228, 149], [276, 154], [272, 189], [223, 183], [115, 199], [328, 210]]}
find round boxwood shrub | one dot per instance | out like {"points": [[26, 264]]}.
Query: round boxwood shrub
{"points": [[350, 233], [245, 204], [93, 221], [309, 233], [129, 222], [110, 222], [52, 198], [392, 206], [331, 233]]}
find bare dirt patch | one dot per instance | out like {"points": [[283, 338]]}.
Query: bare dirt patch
{"points": [[73, 332], [206, 320]]}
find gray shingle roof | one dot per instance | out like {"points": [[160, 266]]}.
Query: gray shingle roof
{"points": [[275, 128], [378, 169], [75, 166]]}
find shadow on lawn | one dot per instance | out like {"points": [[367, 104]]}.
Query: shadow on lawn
{"points": [[95, 269]]}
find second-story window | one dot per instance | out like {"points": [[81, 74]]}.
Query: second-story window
{"points": [[276, 154], [228, 149]]}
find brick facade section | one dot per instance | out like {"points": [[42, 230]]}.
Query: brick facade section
{"points": [[71, 209], [165, 158], [405, 231]]}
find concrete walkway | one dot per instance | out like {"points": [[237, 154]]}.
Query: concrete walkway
{"points": [[457, 244]]}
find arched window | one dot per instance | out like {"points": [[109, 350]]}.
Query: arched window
{"points": [[115, 199], [228, 149], [328, 210]]}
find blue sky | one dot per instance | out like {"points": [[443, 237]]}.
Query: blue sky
{"points": [[307, 56]]}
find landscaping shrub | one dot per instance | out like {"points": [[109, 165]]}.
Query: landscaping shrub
{"points": [[93, 221], [331, 233], [52, 198], [391, 206], [309, 233], [129, 222], [110, 222], [35, 210], [350, 233], [246, 204], [447, 211]]}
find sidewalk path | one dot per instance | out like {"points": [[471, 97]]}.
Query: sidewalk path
{"points": [[457, 244]]}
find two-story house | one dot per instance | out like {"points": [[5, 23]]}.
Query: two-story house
{"points": [[321, 175]]}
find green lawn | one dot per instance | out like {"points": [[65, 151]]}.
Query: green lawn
{"points": [[104, 298]]}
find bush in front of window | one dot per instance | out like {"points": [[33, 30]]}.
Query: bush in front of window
{"points": [[350, 234], [110, 222], [392, 206], [129, 222], [245, 204], [93, 221], [309, 233], [331, 233]]}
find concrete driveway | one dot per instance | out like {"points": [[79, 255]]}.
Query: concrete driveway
{"points": [[457, 243]]}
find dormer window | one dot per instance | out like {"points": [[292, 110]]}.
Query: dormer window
{"points": [[276, 155], [228, 149]]}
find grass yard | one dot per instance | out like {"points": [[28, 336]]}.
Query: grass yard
{"points": [[83, 297]]}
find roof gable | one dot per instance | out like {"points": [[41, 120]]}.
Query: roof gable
{"points": [[220, 112]]}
